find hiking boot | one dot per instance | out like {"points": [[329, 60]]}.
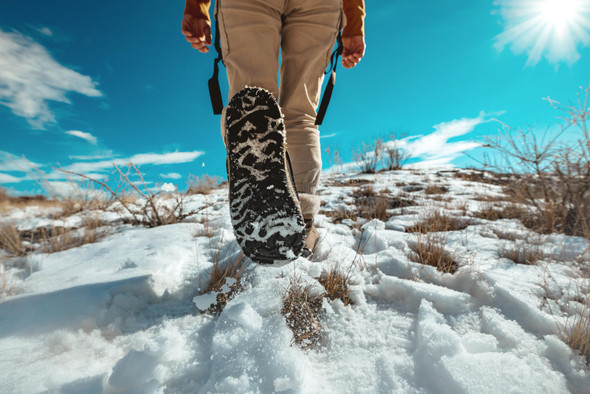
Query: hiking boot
{"points": [[311, 238], [264, 207]]}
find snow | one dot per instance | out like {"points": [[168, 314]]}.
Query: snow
{"points": [[128, 313]]}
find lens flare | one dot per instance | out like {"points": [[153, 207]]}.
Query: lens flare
{"points": [[553, 29]]}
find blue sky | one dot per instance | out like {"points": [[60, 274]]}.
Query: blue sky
{"points": [[83, 85]]}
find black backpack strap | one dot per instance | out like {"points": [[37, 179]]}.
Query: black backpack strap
{"points": [[214, 89], [330, 86]]}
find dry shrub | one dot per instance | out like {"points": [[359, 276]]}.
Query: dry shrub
{"points": [[337, 284], [438, 221], [334, 158], [394, 157], [10, 239], [202, 185], [436, 189], [429, 250], [576, 331], [150, 208], [368, 156], [301, 307], [522, 253], [553, 179]]}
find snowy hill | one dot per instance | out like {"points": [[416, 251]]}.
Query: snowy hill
{"points": [[120, 314]]}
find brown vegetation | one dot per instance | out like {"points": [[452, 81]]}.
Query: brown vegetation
{"points": [[438, 221], [301, 307], [553, 178], [227, 264], [429, 250], [522, 253], [337, 284], [202, 185]]}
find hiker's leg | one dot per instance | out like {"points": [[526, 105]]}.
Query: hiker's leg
{"points": [[250, 40], [309, 31]]}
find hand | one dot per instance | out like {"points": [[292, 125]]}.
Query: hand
{"points": [[354, 50], [197, 32]]}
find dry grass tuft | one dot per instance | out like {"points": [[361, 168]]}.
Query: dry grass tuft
{"points": [[372, 205], [349, 182], [576, 332], [202, 185], [522, 253], [436, 189], [369, 205], [487, 177], [57, 239], [227, 264], [526, 216], [337, 284], [438, 221], [506, 235], [52, 239], [429, 250], [10, 239], [21, 202], [301, 307]]}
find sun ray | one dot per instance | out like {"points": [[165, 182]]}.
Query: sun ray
{"points": [[554, 29]]}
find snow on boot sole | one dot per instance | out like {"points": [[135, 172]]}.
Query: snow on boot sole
{"points": [[264, 208]]}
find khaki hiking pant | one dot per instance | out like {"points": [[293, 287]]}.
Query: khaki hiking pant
{"points": [[252, 34]]}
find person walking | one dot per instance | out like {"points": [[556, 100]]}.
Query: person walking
{"points": [[253, 35]]}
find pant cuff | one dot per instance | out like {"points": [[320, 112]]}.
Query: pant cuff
{"points": [[310, 204]]}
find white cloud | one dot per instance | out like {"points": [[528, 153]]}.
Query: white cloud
{"points": [[138, 159], [5, 178], [99, 156], [436, 148], [328, 135], [81, 134], [13, 163], [171, 175], [30, 78], [45, 31]]}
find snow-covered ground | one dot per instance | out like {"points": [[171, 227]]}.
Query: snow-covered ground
{"points": [[118, 315]]}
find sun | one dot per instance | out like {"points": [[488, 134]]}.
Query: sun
{"points": [[553, 29], [560, 13]]}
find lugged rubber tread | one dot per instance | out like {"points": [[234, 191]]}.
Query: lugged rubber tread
{"points": [[264, 207]]}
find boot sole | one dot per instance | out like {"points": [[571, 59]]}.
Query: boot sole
{"points": [[264, 207]]}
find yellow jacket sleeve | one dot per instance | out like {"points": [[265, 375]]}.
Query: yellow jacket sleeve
{"points": [[198, 8], [355, 18]]}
